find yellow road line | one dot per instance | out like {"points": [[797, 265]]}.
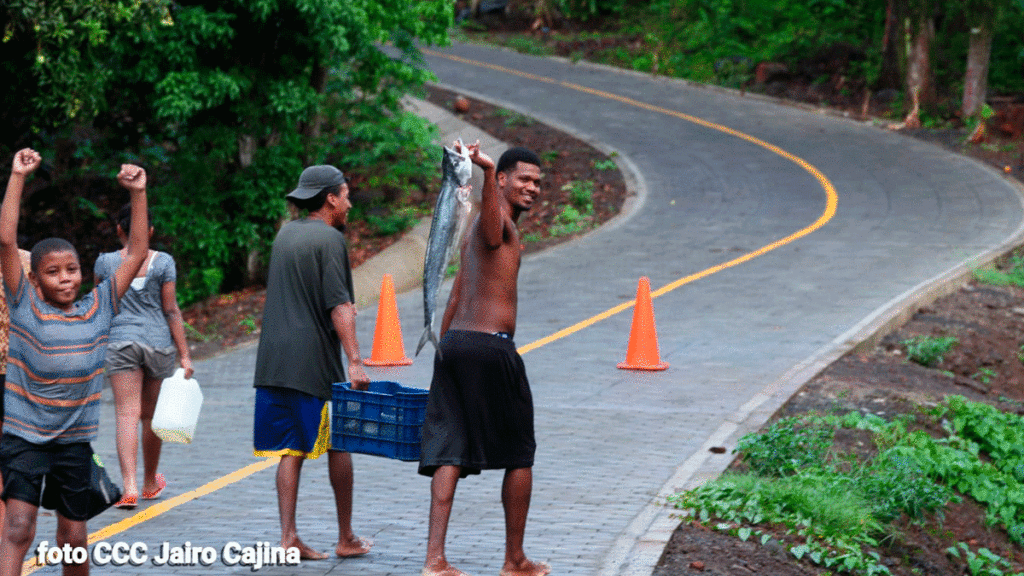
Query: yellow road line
{"points": [[832, 200], [159, 508]]}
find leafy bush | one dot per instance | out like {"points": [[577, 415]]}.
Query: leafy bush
{"points": [[581, 195], [928, 350], [568, 221], [393, 223], [895, 485], [785, 447]]}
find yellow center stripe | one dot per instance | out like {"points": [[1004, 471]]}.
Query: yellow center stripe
{"points": [[832, 200]]}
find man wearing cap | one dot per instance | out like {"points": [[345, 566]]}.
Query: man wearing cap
{"points": [[308, 316]]}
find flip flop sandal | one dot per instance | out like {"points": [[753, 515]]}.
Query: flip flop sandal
{"points": [[127, 502], [161, 483]]}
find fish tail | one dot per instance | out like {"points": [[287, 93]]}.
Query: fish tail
{"points": [[428, 334], [437, 345]]}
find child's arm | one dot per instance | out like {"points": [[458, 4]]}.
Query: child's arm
{"points": [[25, 162], [134, 179], [177, 325]]}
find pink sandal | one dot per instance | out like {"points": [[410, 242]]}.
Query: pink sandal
{"points": [[161, 483]]}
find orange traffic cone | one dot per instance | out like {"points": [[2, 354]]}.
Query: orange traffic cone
{"points": [[387, 336], [642, 353]]}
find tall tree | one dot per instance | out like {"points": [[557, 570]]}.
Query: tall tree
{"points": [[893, 47], [981, 17], [920, 76]]}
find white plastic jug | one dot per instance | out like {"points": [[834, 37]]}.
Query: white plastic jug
{"points": [[177, 408]]}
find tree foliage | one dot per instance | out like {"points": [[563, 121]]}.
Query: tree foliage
{"points": [[225, 101], [53, 59], [722, 40]]}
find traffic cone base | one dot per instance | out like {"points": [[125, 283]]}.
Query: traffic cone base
{"points": [[388, 349], [642, 353], [642, 366]]}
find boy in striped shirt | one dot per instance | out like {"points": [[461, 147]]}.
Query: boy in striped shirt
{"points": [[55, 371]]}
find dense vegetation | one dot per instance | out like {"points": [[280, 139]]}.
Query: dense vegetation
{"points": [[222, 102], [945, 55]]}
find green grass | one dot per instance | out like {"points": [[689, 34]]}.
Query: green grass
{"points": [[1013, 276], [514, 118]]}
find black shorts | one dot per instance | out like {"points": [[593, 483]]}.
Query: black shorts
{"points": [[67, 469], [3, 394], [479, 413]]}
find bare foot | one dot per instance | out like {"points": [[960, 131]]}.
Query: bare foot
{"points": [[526, 568], [442, 568], [354, 547], [305, 552]]}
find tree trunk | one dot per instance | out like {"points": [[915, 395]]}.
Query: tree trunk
{"points": [[920, 81], [976, 78], [890, 76]]}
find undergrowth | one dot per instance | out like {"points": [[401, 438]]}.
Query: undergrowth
{"points": [[840, 511], [1011, 276]]}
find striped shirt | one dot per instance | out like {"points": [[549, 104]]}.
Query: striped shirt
{"points": [[55, 365]]}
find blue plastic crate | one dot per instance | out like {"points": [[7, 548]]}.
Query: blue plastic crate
{"points": [[385, 420]]}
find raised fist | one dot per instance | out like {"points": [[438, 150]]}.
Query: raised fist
{"points": [[26, 161], [132, 177]]}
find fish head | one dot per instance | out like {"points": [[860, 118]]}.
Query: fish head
{"points": [[461, 163]]}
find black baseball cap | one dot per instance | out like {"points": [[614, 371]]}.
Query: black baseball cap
{"points": [[316, 178]]}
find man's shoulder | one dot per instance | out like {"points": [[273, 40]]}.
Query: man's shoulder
{"points": [[308, 231]]}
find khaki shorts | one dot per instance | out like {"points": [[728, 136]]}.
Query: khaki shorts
{"points": [[128, 356]]}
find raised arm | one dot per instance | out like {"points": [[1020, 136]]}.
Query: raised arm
{"points": [[492, 221], [133, 179], [343, 316], [25, 162]]}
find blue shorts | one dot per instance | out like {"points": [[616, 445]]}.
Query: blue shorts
{"points": [[290, 422]]}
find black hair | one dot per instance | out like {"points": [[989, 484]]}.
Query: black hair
{"points": [[124, 217], [515, 155], [49, 246], [314, 203]]}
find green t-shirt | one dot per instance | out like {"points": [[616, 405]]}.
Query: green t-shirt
{"points": [[309, 276]]}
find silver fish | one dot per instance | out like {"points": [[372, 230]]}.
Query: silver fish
{"points": [[447, 224]]}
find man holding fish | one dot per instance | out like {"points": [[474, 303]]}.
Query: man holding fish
{"points": [[480, 410]]}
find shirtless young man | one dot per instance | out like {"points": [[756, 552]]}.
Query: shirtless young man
{"points": [[480, 411]]}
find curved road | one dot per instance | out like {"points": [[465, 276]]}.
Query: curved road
{"points": [[778, 238]]}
